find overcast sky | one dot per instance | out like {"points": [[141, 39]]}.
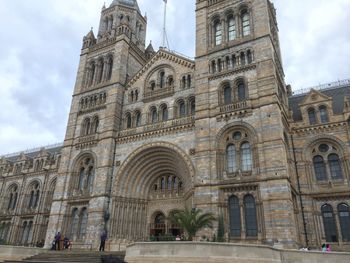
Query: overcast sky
{"points": [[41, 42]]}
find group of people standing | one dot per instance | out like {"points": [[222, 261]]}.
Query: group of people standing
{"points": [[326, 247], [61, 243]]}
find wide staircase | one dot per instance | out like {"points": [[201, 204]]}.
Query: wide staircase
{"points": [[74, 257]]}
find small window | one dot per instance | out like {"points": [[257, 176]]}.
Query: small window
{"points": [[164, 113], [128, 121], [243, 62], [138, 119], [241, 91], [312, 116], [323, 114], [161, 79], [182, 109], [334, 166], [320, 168], [231, 158], [249, 57], [246, 157], [235, 217], [154, 117], [250, 216]]}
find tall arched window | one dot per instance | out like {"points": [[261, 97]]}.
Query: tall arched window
{"points": [[110, 68], [329, 223], [241, 91], [320, 168], [227, 94], [154, 117], [250, 216], [92, 73], [312, 116], [193, 106], [189, 81], [217, 32], [344, 221], [74, 224], [86, 175], [83, 223], [128, 121], [182, 109], [86, 127], [231, 28], [334, 166], [95, 124], [231, 158], [164, 110], [34, 194], [323, 114], [245, 23], [246, 157], [100, 70], [12, 197], [249, 57], [183, 82], [161, 79], [235, 216], [138, 119]]}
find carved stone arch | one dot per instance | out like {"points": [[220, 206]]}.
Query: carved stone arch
{"points": [[154, 72], [323, 138], [236, 82], [214, 18], [138, 171]]}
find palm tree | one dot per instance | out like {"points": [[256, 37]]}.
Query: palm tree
{"points": [[192, 220]]}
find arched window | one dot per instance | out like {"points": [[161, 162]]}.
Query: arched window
{"points": [[334, 166], [249, 57], [49, 196], [100, 71], [189, 81], [170, 81], [161, 79], [193, 106], [323, 114], [246, 157], [138, 119], [344, 221], [312, 116], [83, 223], [110, 68], [231, 28], [213, 67], [234, 61], [34, 194], [245, 23], [154, 117], [250, 216], [128, 121], [24, 232], [241, 91], [217, 33], [86, 127], [329, 223], [183, 82], [86, 175], [74, 224], [13, 196], [92, 74], [95, 124], [231, 158], [164, 110], [242, 58], [320, 168], [235, 216], [227, 94], [182, 109]]}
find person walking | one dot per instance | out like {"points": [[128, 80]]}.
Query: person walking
{"points": [[103, 238]]}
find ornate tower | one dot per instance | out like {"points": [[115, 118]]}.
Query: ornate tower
{"points": [[241, 122], [80, 205]]}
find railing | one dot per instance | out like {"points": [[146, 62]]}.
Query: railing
{"points": [[160, 194], [335, 84], [88, 138], [234, 107], [149, 95], [33, 150], [158, 126]]}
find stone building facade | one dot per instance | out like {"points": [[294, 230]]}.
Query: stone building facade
{"points": [[150, 133]]}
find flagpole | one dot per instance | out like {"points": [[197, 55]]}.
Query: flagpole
{"points": [[164, 23]]}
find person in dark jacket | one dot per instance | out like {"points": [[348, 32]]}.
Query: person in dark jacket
{"points": [[103, 240]]}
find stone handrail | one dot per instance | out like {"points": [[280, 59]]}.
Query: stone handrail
{"points": [[150, 95], [235, 106]]}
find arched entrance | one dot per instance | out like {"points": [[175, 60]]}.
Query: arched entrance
{"points": [[156, 177]]}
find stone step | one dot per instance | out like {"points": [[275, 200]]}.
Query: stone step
{"points": [[72, 257]]}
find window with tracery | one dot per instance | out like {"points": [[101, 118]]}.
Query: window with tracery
{"points": [[326, 162], [86, 175], [78, 223], [33, 195], [167, 183], [12, 197], [238, 153]]}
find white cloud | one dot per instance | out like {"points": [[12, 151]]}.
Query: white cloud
{"points": [[41, 42]]}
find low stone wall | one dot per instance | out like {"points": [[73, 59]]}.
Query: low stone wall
{"points": [[193, 252], [18, 253]]}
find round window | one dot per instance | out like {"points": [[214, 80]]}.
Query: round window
{"points": [[323, 148], [237, 135]]}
